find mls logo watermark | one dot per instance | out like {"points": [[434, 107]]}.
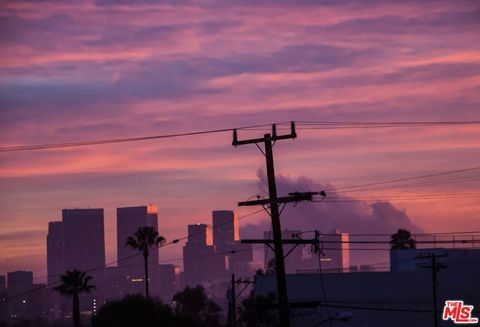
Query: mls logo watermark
{"points": [[458, 312]]}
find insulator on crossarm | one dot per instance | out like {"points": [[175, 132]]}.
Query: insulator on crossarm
{"points": [[235, 138], [292, 128]]}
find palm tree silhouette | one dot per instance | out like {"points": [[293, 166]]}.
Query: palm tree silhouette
{"points": [[72, 284], [142, 240]]}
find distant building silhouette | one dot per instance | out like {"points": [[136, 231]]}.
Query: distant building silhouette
{"points": [[200, 263], [130, 261], [168, 282], [55, 252], [336, 253], [225, 229], [19, 284], [3, 298], [84, 248], [210, 255], [55, 264], [226, 240], [129, 219], [83, 238]]}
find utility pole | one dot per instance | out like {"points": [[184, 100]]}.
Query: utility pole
{"points": [[273, 203], [232, 297], [435, 267]]}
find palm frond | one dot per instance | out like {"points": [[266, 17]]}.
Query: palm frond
{"points": [[74, 282], [160, 240], [132, 242], [144, 238]]}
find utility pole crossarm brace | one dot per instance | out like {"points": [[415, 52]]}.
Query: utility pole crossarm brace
{"points": [[274, 137], [294, 197]]}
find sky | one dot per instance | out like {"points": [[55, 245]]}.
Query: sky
{"points": [[85, 71]]}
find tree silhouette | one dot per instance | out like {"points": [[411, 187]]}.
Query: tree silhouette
{"points": [[72, 284], [142, 240], [193, 303], [256, 311], [402, 239], [139, 311]]}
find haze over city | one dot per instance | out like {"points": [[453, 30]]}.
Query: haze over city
{"points": [[380, 91]]}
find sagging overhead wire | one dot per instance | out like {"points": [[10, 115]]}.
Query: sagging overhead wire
{"points": [[301, 125], [399, 180], [121, 140]]}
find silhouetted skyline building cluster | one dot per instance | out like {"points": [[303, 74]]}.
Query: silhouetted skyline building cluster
{"points": [[78, 242], [217, 247], [211, 254]]}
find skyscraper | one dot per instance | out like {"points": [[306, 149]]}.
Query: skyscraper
{"points": [[55, 252], [225, 229], [129, 219], [130, 261], [200, 264], [199, 234], [226, 241], [84, 238], [337, 251]]}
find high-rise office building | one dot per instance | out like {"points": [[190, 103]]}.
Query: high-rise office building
{"points": [[336, 253], [129, 219], [130, 261], [199, 234], [225, 229], [84, 247], [200, 263], [226, 241], [84, 239], [55, 252]]}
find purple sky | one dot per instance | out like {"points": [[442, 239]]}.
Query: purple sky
{"points": [[110, 69]]}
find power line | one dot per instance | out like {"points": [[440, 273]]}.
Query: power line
{"points": [[385, 123], [396, 180], [417, 197], [120, 140], [398, 199], [462, 179], [308, 124], [416, 234]]}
